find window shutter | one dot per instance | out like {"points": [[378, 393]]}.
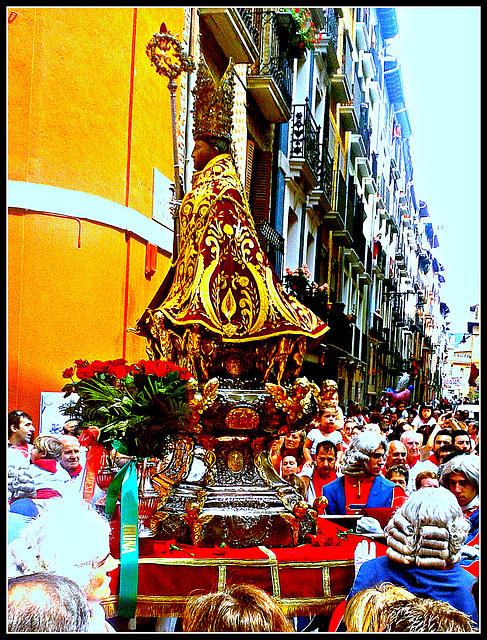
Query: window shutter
{"points": [[262, 187], [248, 168]]}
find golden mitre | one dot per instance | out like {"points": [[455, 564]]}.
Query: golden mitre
{"points": [[213, 103]]}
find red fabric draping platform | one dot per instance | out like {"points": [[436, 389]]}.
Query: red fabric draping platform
{"points": [[305, 580]]}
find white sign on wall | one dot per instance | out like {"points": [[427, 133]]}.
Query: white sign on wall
{"points": [[52, 420]]}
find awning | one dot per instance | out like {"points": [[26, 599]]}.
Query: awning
{"points": [[388, 22], [423, 209], [393, 80]]}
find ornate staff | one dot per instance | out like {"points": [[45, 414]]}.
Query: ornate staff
{"points": [[171, 62]]}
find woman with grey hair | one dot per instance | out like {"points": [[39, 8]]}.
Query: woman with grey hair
{"points": [[362, 482], [461, 476], [424, 540]]}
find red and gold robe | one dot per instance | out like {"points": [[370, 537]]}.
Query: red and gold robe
{"points": [[222, 280]]}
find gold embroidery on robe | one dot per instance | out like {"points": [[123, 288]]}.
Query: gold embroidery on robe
{"points": [[222, 280]]}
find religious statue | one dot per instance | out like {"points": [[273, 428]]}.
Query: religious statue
{"points": [[223, 313], [221, 298]]}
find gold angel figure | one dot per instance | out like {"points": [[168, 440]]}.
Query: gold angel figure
{"points": [[201, 400], [298, 402]]}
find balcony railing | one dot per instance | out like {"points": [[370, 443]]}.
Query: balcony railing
{"points": [[248, 16], [233, 30], [326, 21], [270, 79], [325, 179], [305, 136]]}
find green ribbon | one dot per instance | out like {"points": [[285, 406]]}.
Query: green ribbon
{"points": [[125, 485]]}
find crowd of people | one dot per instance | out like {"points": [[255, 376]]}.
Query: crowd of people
{"points": [[418, 465]]}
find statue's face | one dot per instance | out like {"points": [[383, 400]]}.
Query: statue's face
{"points": [[202, 154]]}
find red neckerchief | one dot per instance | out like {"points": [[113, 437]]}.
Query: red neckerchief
{"points": [[434, 459], [47, 464], [22, 447], [76, 471], [47, 493], [319, 482]]}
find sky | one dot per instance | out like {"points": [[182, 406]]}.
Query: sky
{"points": [[439, 52]]}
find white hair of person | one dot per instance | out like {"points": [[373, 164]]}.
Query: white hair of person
{"points": [[356, 457], [20, 483], [428, 530], [67, 539], [411, 434], [468, 464], [67, 439]]}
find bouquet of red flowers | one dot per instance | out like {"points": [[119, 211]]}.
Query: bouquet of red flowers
{"points": [[138, 409]]}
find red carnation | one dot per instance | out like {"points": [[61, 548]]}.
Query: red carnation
{"points": [[68, 373], [99, 366], [118, 362], [84, 373], [119, 370], [151, 366], [89, 436], [185, 374]]}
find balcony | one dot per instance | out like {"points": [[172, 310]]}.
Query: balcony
{"points": [[376, 333], [369, 185], [335, 219], [233, 30], [340, 88], [357, 145], [347, 118], [362, 36], [400, 255], [270, 78], [375, 91], [398, 316], [322, 195], [379, 268], [328, 45], [362, 168], [304, 153], [368, 65]]}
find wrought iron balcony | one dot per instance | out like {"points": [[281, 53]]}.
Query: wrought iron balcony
{"points": [[270, 78], [329, 38], [322, 194], [304, 153]]}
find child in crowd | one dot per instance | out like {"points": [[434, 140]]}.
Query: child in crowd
{"points": [[325, 431], [50, 479]]}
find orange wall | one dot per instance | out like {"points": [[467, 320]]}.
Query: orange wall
{"points": [[87, 112], [77, 101], [66, 302]]}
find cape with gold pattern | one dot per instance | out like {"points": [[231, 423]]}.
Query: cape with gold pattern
{"points": [[222, 280]]}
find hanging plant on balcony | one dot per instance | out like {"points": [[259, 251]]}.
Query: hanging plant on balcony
{"points": [[307, 34], [314, 296], [297, 282]]}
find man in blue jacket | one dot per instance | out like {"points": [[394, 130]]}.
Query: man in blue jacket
{"points": [[362, 481], [461, 476]]}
